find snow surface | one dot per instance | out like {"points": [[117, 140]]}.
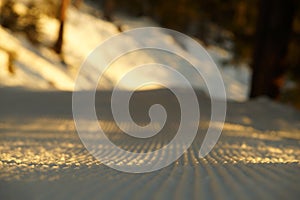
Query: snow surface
{"points": [[40, 68], [41, 156]]}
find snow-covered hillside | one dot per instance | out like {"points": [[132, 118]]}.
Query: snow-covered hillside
{"points": [[40, 68]]}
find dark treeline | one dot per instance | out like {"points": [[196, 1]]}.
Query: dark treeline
{"points": [[213, 21]]}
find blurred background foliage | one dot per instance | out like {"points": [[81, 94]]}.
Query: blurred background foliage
{"points": [[230, 24], [24, 16]]}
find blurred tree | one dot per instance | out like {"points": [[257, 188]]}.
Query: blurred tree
{"points": [[62, 16], [274, 27], [108, 9]]}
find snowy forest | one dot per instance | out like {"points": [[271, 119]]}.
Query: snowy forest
{"points": [[243, 30]]}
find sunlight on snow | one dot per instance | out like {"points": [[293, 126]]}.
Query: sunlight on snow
{"points": [[40, 68], [47, 145]]}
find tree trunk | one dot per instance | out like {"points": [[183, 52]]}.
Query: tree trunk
{"points": [[63, 9], [274, 27], [108, 9]]}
